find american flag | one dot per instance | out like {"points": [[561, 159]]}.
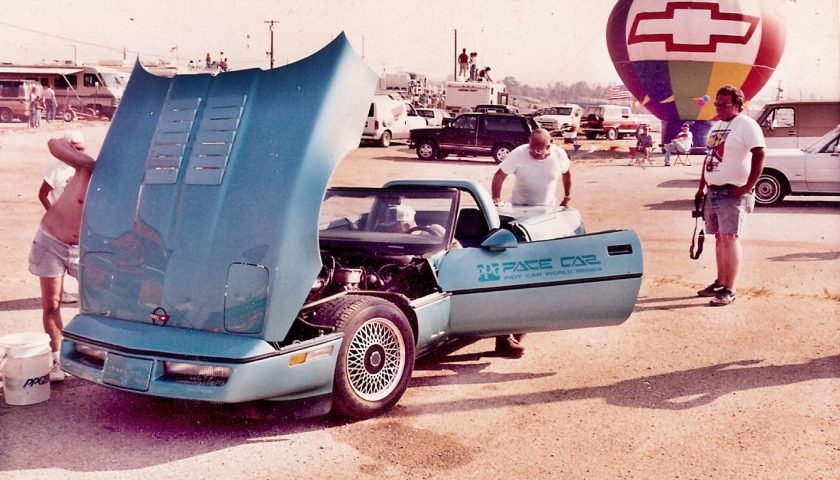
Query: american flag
{"points": [[617, 92]]}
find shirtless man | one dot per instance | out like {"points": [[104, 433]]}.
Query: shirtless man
{"points": [[55, 250]]}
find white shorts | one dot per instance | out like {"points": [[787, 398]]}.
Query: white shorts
{"points": [[50, 257]]}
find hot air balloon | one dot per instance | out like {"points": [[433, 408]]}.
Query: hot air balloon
{"points": [[674, 55]]}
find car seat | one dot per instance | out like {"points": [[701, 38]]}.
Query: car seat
{"points": [[471, 227]]}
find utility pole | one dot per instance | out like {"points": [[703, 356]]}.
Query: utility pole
{"points": [[271, 32], [455, 70]]}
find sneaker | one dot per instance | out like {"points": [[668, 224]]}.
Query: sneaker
{"points": [[68, 298], [712, 290], [508, 346], [667, 164], [56, 374], [724, 297]]}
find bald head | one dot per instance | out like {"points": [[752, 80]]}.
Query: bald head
{"points": [[539, 143]]}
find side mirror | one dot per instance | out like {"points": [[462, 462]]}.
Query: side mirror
{"points": [[499, 240]]}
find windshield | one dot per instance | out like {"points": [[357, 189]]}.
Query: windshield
{"points": [[111, 80], [560, 111], [394, 220]]}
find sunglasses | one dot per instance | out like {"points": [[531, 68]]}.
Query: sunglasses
{"points": [[723, 105]]}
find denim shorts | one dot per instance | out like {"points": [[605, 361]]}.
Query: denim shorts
{"points": [[50, 257], [725, 213]]}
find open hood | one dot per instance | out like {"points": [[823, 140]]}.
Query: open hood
{"points": [[203, 208]]}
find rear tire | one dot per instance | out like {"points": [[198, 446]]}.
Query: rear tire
{"points": [[376, 357], [500, 152], [68, 115], [770, 189], [385, 139], [6, 115]]}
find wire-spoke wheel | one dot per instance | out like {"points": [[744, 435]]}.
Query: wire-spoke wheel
{"points": [[376, 357]]}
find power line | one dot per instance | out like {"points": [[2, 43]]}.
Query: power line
{"points": [[83, 42]]}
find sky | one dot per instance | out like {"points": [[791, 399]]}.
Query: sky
{"points": [[539, 42]]}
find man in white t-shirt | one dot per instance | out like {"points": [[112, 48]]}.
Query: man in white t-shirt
{"points": [[730, 170], [537, 167], [680, 144]]}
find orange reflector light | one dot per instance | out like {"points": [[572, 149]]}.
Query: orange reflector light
{"points": [[303, 357]]}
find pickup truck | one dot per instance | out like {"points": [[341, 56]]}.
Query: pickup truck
{"points": [[494, 134], [611, 121], [216, 265]]}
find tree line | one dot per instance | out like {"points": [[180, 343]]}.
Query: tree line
{"points": [[559, 92]]}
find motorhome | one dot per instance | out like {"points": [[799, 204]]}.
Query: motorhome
{"points": [[91, 89], [797, 124], [464, 96]]}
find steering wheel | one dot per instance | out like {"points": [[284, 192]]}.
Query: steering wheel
{"points": [[426, 229]]}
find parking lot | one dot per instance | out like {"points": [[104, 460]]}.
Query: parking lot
{"points": [[680, 390]]}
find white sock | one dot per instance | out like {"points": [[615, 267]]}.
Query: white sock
{"points": [[56, 357]]}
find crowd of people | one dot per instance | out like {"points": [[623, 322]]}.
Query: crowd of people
{"points": [[468, 68], [210, 65]]}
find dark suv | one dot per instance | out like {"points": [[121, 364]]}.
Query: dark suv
{"points": [[494, 134]]}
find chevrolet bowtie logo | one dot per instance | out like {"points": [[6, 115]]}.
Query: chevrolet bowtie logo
{"points": [[159, 316], [670, 27]]}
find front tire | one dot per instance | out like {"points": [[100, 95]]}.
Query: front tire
{"points": [[500, 152], [6, 115], [376, 357], [427, 150], [612, 134], [770, 189]]}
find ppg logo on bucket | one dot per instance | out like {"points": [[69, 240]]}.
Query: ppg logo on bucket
{"points": [[31, 382]]}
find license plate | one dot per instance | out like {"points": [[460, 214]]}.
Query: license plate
{"points": [[128, 372]]}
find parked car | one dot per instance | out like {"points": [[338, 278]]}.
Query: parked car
{"points": [[611, 121], [242, 277], [494, 134], [797, 124], [813, 171], [434, 116], [390, 119]]}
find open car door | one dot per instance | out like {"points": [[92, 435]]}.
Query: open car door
{"points": [[503, 286]]}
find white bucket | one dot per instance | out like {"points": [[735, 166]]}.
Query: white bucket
{"points": [[26, 361]]}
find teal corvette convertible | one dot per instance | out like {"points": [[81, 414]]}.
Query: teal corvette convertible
{"points": [[216, 265]]}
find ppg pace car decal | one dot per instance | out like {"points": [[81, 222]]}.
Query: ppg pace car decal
{"points": [[537, 268]]}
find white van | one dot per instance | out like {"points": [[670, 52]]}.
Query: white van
{"points": [[793, 124], [388, 119]]}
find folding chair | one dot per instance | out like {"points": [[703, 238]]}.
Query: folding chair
{"points": [[683, 158]]}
